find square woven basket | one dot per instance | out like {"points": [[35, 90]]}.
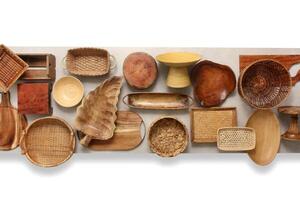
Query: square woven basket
{"points": [[11, 68]]}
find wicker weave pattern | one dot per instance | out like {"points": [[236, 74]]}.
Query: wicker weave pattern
{"points": [[11, 68], [88, 61], [265, 84], [236, 139], [48, 142]]}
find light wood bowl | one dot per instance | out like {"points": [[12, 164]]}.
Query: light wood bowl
{"points": [[68, 91]]}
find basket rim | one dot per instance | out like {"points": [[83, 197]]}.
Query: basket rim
{"points": [[72, 134], [240, 88], [167, 154]]}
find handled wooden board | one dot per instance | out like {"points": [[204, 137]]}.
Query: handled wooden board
{"points": [[127, 134]]}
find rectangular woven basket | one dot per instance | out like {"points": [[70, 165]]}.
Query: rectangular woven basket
{"points": [[11, 68], [88, 61]]}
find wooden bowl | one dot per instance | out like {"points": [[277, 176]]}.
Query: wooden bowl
{"points": [[68, 91], [265, 84], [178, 63], [212, 83], [140, 70], [167, 137]]}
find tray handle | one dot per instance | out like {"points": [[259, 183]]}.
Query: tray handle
{"points": [[296, 78], [144, 135], [126, 102], [113, 62], [22, 143], [190, 101]]}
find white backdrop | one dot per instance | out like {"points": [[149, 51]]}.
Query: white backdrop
{"points": [[150, 23]]}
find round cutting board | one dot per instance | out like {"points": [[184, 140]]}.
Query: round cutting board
{"points": [[266, 126]]}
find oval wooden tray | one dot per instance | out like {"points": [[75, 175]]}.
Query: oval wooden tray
{"points": [[266, 126], [158, 101], [127, 134]]}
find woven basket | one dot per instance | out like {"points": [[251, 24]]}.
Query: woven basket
{"points": [[236, 139], [167, 137], [48, 142], [89, 61], [265, 84], [11, 68]]}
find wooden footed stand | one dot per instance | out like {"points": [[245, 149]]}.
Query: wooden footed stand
{"points": [[293, 132]]}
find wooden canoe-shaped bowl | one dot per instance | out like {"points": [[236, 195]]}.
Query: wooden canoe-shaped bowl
{"points": [[212, 83], [267, 129], [158, 101], [127, 135], [140, 70], [167, 137]]}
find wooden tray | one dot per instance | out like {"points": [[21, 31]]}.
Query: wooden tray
{"points": [[287, 60], [158, 101], [41, 67], [205, 122], [127, 134]]}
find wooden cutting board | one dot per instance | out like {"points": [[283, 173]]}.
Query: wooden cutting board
{"points": [[287, 60], [127, 134], [267, 129], [12, 124]]}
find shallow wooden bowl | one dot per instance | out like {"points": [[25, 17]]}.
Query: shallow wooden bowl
{"points": [[68, 91]]}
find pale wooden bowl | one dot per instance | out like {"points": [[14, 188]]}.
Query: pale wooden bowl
{"points": [[68, 91]]}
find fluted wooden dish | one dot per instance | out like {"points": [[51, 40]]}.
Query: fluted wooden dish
{"points": [[96, 115], [158, 101]]}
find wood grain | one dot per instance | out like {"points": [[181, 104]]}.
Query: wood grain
{"points": [[127, 134], [266, 126]]}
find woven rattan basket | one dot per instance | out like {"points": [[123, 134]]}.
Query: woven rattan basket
{"points": [[11, 68], [167, 137], [236, 139], [89, 61], [265, 84], [48, 142]]}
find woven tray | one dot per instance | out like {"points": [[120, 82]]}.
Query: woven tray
{"points": [[236, 139], [206, 122], [11, 68], [89, 61], [48, 142]]}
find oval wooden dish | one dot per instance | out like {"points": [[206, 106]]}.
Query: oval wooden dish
{"points": [[48, 142], [158, 101], [212, 83], [140, 70], [167, 137], [267, 129]]}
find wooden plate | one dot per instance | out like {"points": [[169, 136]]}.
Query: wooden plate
{"points": [[158, 101], [266, 126]]}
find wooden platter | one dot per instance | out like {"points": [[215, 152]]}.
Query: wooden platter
{"points": [[287, 60], [127, 134], [266, 126], [158, 101]]}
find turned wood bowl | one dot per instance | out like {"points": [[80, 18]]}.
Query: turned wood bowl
{"points": [[266, 83], [68, 91], [212, 83]]}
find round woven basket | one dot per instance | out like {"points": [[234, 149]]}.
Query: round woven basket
{"points": [[48, 142], [265, 84], [167, 137]]}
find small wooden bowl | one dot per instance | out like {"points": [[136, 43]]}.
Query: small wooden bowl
{"points": [[68, 91], [167, 137]]}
